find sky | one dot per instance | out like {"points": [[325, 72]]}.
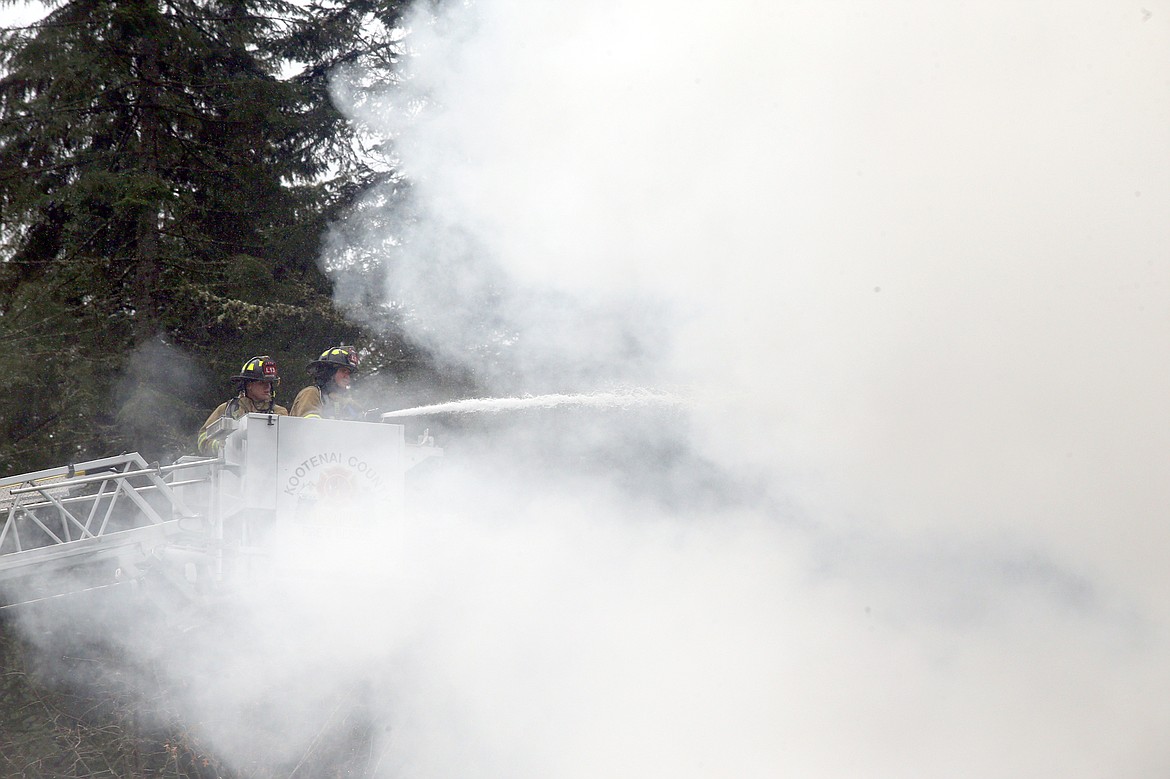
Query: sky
{"points": [[19, 14], [907, 265]]}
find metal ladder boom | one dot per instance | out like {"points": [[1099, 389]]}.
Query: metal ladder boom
{"points": [[113, 508]]}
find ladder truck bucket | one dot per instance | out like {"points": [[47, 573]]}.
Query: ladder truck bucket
{"points": [[201, 522]]}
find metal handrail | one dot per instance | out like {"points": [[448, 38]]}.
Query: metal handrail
{"points": [[109, 476]]}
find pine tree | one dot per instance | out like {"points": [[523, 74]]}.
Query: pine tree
{"points": [[163, 190]]}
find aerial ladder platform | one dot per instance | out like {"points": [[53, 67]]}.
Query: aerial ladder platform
{"points": [[196, 524]]}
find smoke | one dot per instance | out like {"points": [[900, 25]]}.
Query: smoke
{"points": [[906, 265], [909, 263]]}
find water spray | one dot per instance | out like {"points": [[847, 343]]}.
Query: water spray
{"points": [[625, 399]]}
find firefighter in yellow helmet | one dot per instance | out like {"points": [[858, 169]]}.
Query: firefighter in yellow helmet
{"points": [[255, 387], [328, 396]]}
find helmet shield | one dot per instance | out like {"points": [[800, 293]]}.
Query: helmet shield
{"points": [[262, 368]]}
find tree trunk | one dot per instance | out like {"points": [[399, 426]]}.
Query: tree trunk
{"points": [[146, 278]]}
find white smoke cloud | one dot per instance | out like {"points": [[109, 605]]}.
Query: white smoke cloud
{"points": [[907, 266], [917, 263], [911, 261]]}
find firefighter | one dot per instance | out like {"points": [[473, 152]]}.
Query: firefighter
{"points": [[328, 396], [255, 394]]}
